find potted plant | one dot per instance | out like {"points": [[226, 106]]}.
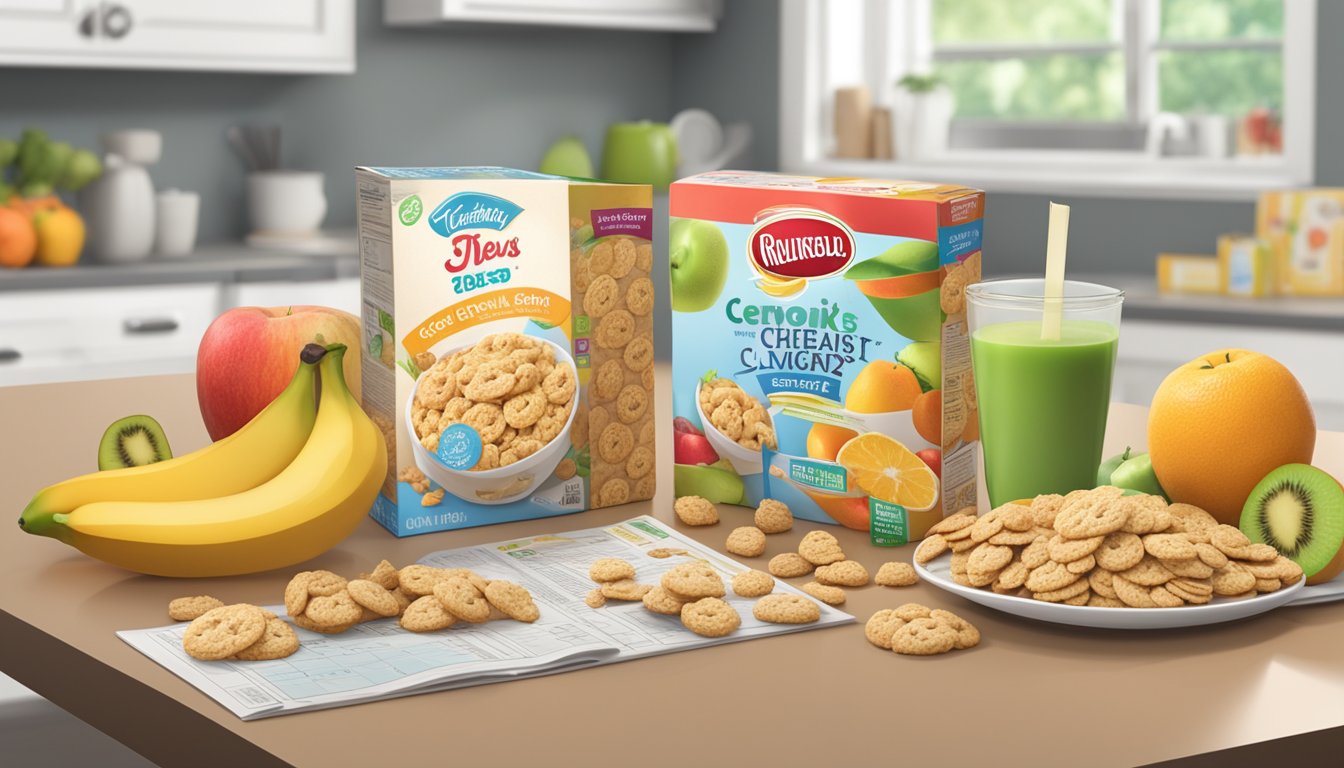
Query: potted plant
{"points": [[923, 116]]}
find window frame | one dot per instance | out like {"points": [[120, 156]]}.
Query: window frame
{"points": [[896, 40]]}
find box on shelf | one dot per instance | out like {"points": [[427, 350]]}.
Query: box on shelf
{"points": [[820, 343], [508, 355], [1305, 230], [1188, 273], [1247, 266]]}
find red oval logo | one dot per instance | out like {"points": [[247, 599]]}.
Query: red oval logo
{"points": [[801, 243]]}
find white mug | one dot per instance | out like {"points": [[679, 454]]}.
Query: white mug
{"points": [[286, 202], [176, 219]]}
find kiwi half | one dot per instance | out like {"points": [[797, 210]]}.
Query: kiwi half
{"points": [[133, 442], [1299, 510]]}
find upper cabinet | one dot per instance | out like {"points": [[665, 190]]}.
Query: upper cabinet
{"points": [[652, 15], [280, 36]]}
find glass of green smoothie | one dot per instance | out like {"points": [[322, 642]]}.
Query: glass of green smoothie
{"points": [[1042, 397]]}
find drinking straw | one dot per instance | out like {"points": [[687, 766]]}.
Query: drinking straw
{"points": [[1056, 243]]}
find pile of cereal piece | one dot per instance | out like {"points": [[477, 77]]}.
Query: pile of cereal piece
{"points": [[615, 580], [771, 516], [1101, 548], [240, 632], [917, 630], [508, 387], [737, 415]]}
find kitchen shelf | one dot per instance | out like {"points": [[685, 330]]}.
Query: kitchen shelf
{"points": [[646, 15]]}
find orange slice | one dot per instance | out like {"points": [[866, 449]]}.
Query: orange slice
{"points": [[889, 471]]}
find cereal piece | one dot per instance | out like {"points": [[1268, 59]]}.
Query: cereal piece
{"points": [[1168, 546], [1189, 569], [1164, 598], [432, 499], [1280, 568], [988, 558], [384, 574], [1044, 508], [1009, 538], [881, 626], [693, 581], [895, 575], [224, 631], [1148, 573], [1268, 585], [710, 617], [1065, 550], [427, 614], [595, 598], [967, 635], [1131, 594], [462, 599], [1119, 551], [373, 596], [1050, 577], [1187, 518], [1066, 592], [614, 330], [1082, 567], [821, 548], [1082, 598], [607, 380], [192, 608], [960, 521], [659, 600], [924, 637], [747, 541], [601, 296], [1192, 591], [1037, 553], [566, 469], [559, 385], [419, 580], [952, 292], [753, 583], [931, 547], [333, 610], [625, 589], [786, 609], [324, 583], [614, 491], [912, 611], [828, 594], [1101, 601], [611, 569], [632, 403], [1210, 555], [1012, 576], [1091, 514], [615, 443], [303, 622], [640, 462], [276, 642], [639, 296], [789, 565], [1102, 583], [986, 526], [773, 516], [513, 599], [1016, 518], [846, 573], [638, 355]]}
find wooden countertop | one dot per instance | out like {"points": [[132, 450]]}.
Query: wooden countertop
{"points": [[1031, 693]]}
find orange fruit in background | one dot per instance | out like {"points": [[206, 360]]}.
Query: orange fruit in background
{"points": [[1221, 422], [883, 386], [60, 237], [824, 441], [889, 471], [928, 416], [18, 240]]}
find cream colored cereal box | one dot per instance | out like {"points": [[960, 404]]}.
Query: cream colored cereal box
{"points": [[508, 356], [819, 346]]}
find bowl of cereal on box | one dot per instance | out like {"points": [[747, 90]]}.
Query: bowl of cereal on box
{"points": [[491, 420], [736, 424]]}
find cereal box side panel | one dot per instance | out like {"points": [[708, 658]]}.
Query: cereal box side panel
{"points": [[960, 237], [790, 317], [482, 322], [611, 256]]}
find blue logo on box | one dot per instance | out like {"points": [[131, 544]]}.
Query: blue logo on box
{"points": [[459, 447], [472, 210]]}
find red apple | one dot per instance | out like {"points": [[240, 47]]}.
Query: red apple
{"points": [[681, 424], [249, 354], [933, 458], [688, 448]]}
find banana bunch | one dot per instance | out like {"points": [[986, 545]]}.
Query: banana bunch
{"points": [[288, 486]]}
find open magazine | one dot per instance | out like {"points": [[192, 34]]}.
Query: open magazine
{"points": [[379, 660]]}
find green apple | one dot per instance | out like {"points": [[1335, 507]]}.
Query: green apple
{"points": [[905, 258], [718, 484], [567, 157], [1109, 466], [925, 358], [1136, 473], [699, 264]]}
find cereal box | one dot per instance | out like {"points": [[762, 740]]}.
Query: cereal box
{"points": [[508, 356], [1305, 231], [820, 353]]}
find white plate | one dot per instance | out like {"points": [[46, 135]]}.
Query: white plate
{"points": [[938, 573], [1328, 592]]}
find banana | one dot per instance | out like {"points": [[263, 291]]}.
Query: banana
{"points": [[249, 457], [309, 507]]}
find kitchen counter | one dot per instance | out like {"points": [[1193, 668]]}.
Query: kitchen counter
{"points": [[1144, 302], [1251, 692], [212, 263]]}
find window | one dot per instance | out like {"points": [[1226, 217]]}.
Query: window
{"points": [[1143, 90]]}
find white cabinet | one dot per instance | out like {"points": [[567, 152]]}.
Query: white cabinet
{"points": [[1151, 350], [237, 35], [652, 15]]}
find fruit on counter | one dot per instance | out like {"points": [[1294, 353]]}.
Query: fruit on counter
{"points": [[1136, 474], [716, 482], [60, 236], [18, 240], [692, 448], [308, 508], [934, 459], [247, 356], [914, 313], [247, 458], [133, 441], [925, 359], [567, 157], [883, 386], [698, 263], [928, 416], [1223, 420], [1109, 466], [889, 471], [41, 165], [1299, 510]]}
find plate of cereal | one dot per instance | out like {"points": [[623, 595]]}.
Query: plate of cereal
{"points": [[1097, 558]]}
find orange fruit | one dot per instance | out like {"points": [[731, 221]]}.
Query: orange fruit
{"points": [[889, 471], [928, 416], [1221, 422], [883, 386], [18, 241], [60, 237], [849, 511], [824, 441]]}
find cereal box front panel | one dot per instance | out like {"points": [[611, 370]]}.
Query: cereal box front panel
{"points": [[818, 330]]}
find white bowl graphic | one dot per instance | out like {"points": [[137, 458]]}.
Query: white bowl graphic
{"points": [[505, 484], [745, 461]]}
